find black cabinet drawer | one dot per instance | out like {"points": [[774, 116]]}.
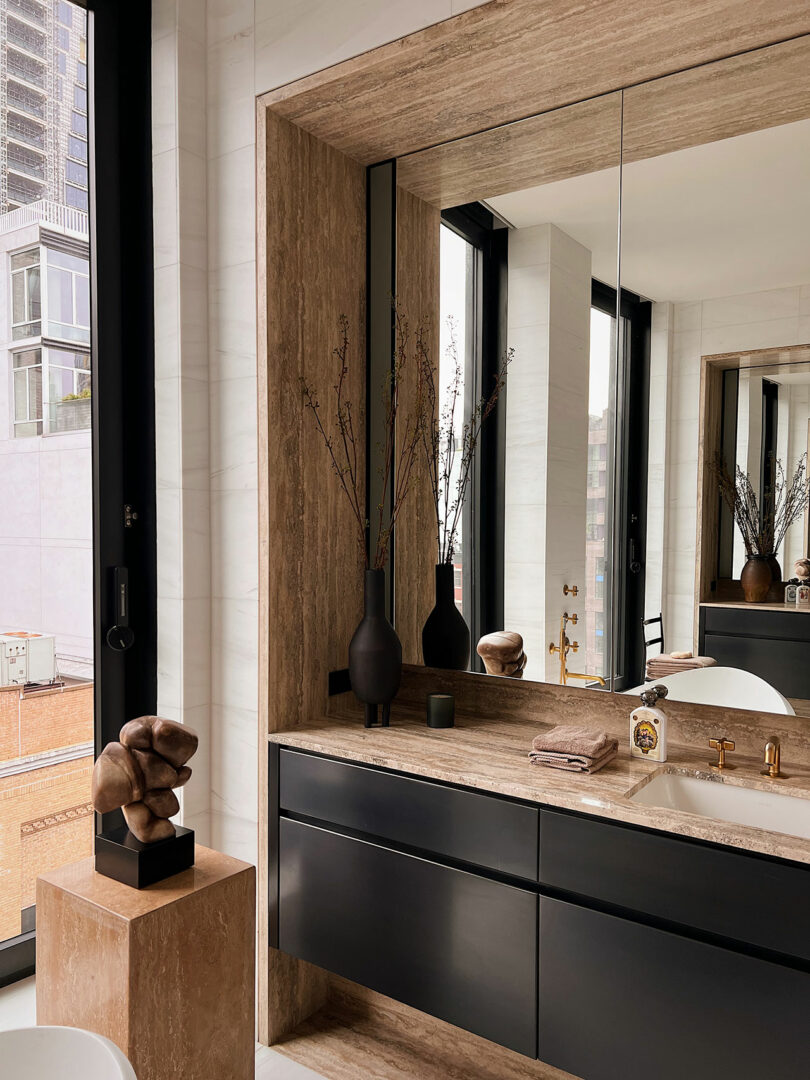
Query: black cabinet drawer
{"points": [[748, 899], [482, 830], [458, 946], [621, 1001], [752, 622]]}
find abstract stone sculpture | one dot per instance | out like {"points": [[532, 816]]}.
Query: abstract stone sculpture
{"points": [[502, 653], [140, 772]]}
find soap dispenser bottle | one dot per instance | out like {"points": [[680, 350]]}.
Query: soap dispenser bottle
{"points": [[648, 726]]}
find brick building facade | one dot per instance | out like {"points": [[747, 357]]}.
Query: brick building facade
{"points": [[46, 762]]}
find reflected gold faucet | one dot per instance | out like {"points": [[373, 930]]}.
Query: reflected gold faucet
{"points": [[773, 759], [565, 646]]}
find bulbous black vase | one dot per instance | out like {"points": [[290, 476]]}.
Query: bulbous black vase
{"points": [[375, 653], [445, 635]]}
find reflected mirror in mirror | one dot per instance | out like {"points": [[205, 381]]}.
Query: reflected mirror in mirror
{"points": [[716, 236]]}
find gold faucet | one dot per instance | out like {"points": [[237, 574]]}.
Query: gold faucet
{"points": [[565, 646], [773, 759], [721, 746]]}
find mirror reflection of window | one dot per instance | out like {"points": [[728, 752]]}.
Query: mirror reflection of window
{"points": [[597, 525], [456, 338]]}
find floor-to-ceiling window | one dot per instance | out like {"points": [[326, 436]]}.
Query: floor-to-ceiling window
{"points": [[67, 320]]}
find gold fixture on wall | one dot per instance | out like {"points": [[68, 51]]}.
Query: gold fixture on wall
{"points": [[566, 645]]}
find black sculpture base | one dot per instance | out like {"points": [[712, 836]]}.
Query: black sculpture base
{"points": [[121, 856]]}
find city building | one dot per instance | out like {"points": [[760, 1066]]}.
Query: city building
{"points": [[43, 104]]}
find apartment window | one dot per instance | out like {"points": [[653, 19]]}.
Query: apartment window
{"points": [[61, 63], [77, 148], [26, 302], [27, 375], [22, 159], [24, 130], [78, 124], [62, 38], [23, 190], [30, 9], [64, 13], [27, 37], [68, 407], [68, 296], [25, 99], [76, 173], [80, 98], [66, 404], [81, 73], [25, 67], [76, 197]]}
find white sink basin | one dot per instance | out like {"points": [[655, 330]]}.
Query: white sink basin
{"points": [[717, 799]]}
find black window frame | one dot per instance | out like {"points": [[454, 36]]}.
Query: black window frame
{"points": [[122, 320], [483, 520]]}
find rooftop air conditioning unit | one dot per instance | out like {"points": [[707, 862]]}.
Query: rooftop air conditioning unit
{"points": [[26, 658]]}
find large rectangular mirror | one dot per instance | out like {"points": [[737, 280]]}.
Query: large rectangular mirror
{"points": [[716, 235], [594, 530]]}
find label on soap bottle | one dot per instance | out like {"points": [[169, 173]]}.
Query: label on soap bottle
{"points": [[648, 734]]}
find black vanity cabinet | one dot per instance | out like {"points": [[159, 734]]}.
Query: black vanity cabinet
{"points": [[451, 943], [607, 950], [771, 644], [620, 1000]]}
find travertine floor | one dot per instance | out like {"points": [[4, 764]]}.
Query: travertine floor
{"points": [[18, 1009]]}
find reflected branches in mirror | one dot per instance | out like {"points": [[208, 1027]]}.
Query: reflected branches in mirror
{"points": [[449, 441]]}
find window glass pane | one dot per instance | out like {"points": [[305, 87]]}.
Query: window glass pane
{"points": [[77, 148], [25, 258], [60, 295], [82, 286], [46, 755], [76, 197], [456, 359], [33, 288]]}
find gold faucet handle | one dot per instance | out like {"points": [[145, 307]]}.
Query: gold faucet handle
{"points": [[572, 589], [575, 646], [721, 746]]}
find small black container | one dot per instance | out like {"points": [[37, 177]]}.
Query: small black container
{"points": [[441, 710], [121, 856], [445, 635], [375, 653]]}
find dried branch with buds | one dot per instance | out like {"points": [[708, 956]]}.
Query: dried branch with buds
{"points": [[449, 458], [763, 529], [397, 455]]}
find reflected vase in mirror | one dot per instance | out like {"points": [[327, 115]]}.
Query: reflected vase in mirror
{"points": [[756, 578], [445, 635], [375, 653]]}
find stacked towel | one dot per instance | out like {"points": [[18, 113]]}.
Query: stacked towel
{"points": [[658, 667], [573, 749]]}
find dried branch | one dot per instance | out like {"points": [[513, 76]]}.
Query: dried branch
{"points": [[763, 528], [397, 452], [450, 459]]}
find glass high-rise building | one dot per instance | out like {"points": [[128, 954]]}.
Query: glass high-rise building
{"points": [[43, 104]]}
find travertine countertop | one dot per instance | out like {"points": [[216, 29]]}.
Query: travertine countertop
{"points": [[492, 755]]}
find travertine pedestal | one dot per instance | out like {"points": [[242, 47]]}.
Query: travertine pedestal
{"points": [[166, 972]]}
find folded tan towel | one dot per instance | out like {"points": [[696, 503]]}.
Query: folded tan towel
{"points": [[576, 762], [572, 739]]}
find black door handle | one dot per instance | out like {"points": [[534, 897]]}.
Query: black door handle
{"points": [[635, 565], [120, 635]]}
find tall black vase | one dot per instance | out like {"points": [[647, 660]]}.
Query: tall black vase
{"points": [[445, 635], [375, 653]]}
